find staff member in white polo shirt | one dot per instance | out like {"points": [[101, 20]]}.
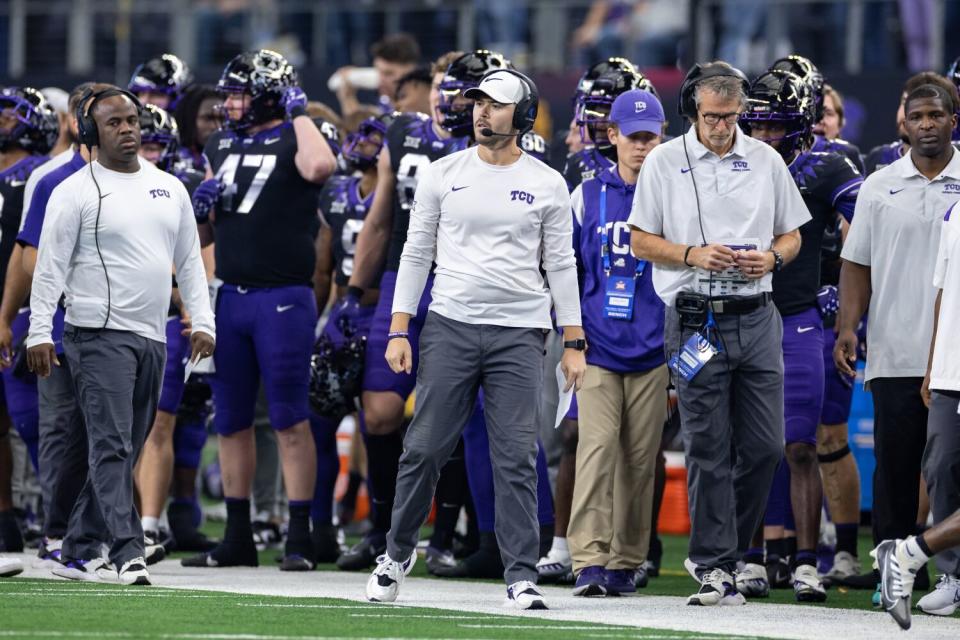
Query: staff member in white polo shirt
{"points": [[888, 263], [488, 216], [716, 212]]}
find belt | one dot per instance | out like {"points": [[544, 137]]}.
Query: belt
{"points": [[740, 305]]}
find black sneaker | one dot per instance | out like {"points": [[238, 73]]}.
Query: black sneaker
{"points": [[11, 538], [326, 546], [266, 534], [186, 537], [362, 555], [778, 573], [295, 562], [153, 549], [225, 555], [484, 563]]}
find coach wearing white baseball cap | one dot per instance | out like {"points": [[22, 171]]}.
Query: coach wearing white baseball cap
{"points": [[488, 216]]}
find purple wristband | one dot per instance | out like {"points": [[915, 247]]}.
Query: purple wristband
{"points": [[397, 334]]}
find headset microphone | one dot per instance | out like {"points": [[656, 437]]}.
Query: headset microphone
{"points": [[490, 132]]}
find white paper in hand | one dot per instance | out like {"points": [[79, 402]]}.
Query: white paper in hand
{"points": [[565, 397], [191, 365]]}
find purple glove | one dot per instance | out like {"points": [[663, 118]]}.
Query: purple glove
{"points": [[205, 198], [828, 300], [349, 307], [294, 102]]}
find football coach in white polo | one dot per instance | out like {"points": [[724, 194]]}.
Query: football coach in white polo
{"points": [[716, 212], [488, 217]]}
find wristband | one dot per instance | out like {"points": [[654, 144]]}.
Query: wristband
{"points": [[686, 254], [355, 291], [397, 334], [297, 111]]}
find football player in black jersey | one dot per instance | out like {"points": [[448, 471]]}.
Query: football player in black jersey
{"points": [[28, 130], [782, 112], [172, 449], [338, 355], [812, 77], [261, 208]]}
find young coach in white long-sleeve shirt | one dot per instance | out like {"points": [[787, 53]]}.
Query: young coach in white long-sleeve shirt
{"points": [[111, 234], [489, 217]]}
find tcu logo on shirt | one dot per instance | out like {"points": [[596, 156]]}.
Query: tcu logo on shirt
{"points": [[159, 193], [951, 188], [740, 165], [522, 196]]}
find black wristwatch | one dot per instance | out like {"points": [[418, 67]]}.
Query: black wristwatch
{"points": [[579, 344], [777, 260]]}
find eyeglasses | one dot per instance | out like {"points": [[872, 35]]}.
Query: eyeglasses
{"points": [[714, 118]]}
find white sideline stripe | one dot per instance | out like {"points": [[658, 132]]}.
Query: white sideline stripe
{"points": [[104, 594], [187, 636], [431, 617], [317, 606]]}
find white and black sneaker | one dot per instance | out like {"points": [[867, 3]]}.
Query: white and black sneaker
{"points": [[384, 583], [135, 572], [10, 567], [717, 587], [896, 579], [153, 549], [807, 585], [525, 595]]}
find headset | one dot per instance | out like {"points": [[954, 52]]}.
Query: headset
{"points": [[697, 74], [87, 131], [89, 135], [525, 113]]}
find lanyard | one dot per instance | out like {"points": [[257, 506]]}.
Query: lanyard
{"points": [[605, 238]]}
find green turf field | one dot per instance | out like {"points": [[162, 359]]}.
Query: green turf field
{"points": [[51, 609]]}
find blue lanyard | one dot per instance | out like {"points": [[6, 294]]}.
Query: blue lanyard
{"points": [[605, 238]]}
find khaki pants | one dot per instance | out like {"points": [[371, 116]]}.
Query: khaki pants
{"points": [[621, 423]]}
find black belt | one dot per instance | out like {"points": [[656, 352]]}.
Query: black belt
{"points": [[740, 305]]}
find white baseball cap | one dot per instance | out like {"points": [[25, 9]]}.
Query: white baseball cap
{"points": [[501, 86]]}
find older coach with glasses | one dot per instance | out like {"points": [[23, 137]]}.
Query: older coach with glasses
{"points": [[716, 212]]}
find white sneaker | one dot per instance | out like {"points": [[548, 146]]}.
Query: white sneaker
{"points": [[752, 581], [385, 581], [716, 588], [555, 565], [807, 586], [10, 567], [944, 599], [845, 565], [525, 595], [135, 572], [88, 570]]}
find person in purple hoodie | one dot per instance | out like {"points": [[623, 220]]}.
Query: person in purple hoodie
{"points": [[623, 400]]}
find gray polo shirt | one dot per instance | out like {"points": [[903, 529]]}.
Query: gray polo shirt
{"points": [[896, 232], [746, 194]]}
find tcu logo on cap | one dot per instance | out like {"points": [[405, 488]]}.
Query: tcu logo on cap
{"points": [[639, 106], [522, 195]]}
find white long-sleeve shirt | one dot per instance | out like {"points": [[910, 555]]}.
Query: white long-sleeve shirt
{"points": [[146, 225], [489, 228]]}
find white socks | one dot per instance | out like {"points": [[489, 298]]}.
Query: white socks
{"points": [[560, 546], [915, 557], [150, 524]]}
